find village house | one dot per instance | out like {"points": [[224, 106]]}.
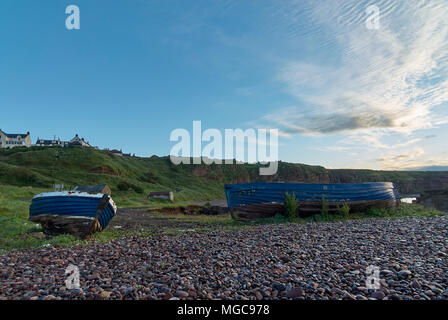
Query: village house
{"points": [[51, 143], [118, 153], [115, 152], [76, 141], [8, 140]]}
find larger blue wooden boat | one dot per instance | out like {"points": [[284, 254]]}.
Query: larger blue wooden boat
{"points": [[73, 212], [249, 201]]}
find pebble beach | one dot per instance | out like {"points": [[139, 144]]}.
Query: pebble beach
{"points": [[284, 261]]}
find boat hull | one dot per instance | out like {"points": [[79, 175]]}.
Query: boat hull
{"points": [[76, 213], [253, 201]]}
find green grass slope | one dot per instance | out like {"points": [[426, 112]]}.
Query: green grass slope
{"points": [[128, 177], [131, 178]]}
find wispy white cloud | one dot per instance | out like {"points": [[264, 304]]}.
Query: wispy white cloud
{"points": [[374, 141], [381, 83], [411, 160], [388, 80]]}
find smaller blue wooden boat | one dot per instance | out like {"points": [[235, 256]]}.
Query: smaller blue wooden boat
{"points": [[72, 212], [250, 201]]}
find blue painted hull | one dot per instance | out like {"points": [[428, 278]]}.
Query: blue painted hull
{"points": [[260, 200], [75, 213]]}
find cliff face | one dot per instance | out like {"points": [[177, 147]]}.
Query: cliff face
{"points": [[424, 183], [407, 182], [437, 199]]}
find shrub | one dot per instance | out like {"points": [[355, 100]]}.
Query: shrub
{"points": [[377, 212], [137, 189], [344, 211], [149, 177], [125, 186], [278, 218], [291, 205]]}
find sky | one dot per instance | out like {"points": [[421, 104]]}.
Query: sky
{"points": [[342, 94]]}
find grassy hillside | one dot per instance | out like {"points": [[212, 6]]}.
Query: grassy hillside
{"points": [[131, 178]]}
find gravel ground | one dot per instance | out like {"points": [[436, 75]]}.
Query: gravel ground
{"points": [[308, 261]]}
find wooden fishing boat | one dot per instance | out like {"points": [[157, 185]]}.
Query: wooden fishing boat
{"points": [[72, 212], [250, 201]]}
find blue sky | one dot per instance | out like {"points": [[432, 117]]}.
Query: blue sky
{"points": [[342, 95]]}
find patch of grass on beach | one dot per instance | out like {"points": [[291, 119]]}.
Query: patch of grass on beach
{"points": [[403, 210], [16, 231], [14, 224], [277, 219]]}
